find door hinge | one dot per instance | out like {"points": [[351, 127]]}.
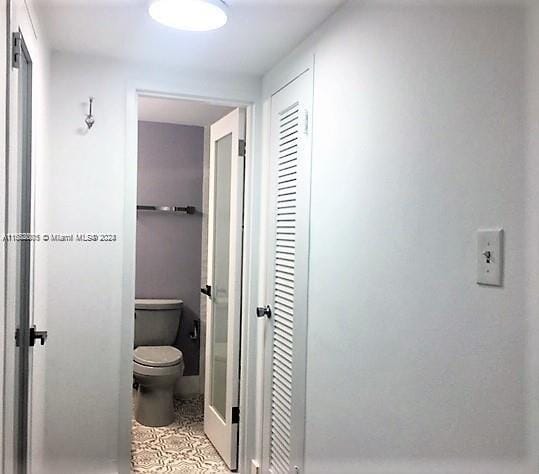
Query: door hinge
{"points": [[242, 148], [206, 291], [16, 50], [306, 122], [235, 415]]}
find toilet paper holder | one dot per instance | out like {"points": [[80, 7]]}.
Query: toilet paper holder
{"points": [[195, 333]]}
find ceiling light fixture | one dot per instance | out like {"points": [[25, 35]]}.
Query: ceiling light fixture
{"points": [[190, 15]]}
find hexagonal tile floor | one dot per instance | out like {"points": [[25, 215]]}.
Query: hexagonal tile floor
{"points": [[180, 448]]}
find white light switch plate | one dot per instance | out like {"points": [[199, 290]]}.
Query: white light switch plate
{"points": [[489, 256]]}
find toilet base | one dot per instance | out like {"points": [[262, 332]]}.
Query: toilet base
{"points": [[154, 399], [154, 406]]}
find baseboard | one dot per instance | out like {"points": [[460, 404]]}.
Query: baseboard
{"points": [[187, 386], [318, 466]]}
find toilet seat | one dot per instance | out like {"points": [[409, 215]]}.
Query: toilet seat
{"points": [[157, 356], [156, 369]]}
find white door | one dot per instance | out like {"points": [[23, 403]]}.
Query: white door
{"points": [[225, 236], [3, 200], [284, 432], [20, 333]]}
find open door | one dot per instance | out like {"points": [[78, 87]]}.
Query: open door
{"points": [[225, 236], [20, 332]]}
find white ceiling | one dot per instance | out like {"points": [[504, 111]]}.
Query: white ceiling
{"points": [[258, 34], [183, 112]]}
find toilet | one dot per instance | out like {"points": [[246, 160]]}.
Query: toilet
{"points": [[157, 365]]}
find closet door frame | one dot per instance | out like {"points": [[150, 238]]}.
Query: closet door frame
{"points": [[297, 419]]}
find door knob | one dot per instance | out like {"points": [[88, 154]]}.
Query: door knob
{"points": [[34, 335], [262, 312]]}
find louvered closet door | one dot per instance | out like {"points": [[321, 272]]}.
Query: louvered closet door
{"points": [[290, 159]]}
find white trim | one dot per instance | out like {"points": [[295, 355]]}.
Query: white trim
{"points": [[260, 326], [248, 424], [22, 18], [204, 259], [128, 283], [425, 467], [3, 197], [18, 21], [10, 260], [250, 421]]}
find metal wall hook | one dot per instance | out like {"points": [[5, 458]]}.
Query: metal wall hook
{"points": [[90, 120]]}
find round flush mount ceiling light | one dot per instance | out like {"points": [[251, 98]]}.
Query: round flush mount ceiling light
{"points": [[190, 15]]}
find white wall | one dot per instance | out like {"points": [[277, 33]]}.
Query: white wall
{"points": [[532, 226], [420, 140], [89, 176], [420, 121]]}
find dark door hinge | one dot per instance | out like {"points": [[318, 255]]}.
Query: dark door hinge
{"points": [[242, 148], [235, 415], [206, 291], [16, 50]]}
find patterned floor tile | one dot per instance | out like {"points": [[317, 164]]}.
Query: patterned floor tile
{"points": [[180, 448]]}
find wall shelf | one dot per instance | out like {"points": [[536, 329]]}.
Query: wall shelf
{"points": [[168, 209]]}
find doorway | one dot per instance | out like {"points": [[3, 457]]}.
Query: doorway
{"points": [[189, 227]]}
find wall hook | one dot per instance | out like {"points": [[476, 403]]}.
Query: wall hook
{"points": [[90, 120]]}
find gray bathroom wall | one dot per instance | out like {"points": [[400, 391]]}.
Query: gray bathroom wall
{"points": [[170, 172]]}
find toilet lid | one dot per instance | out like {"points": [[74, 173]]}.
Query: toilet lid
{"points": [[157, 356], [157, 304]]}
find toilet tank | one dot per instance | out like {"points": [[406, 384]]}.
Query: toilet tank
{"points": [[157, 321]]}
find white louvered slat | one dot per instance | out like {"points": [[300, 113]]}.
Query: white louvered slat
{"points": [[285, 265]]}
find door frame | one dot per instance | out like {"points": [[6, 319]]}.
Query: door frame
{"points": [[18, 212], [4, 94], [20, 17], [17, 20], [25, 212], [249, 285]]}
